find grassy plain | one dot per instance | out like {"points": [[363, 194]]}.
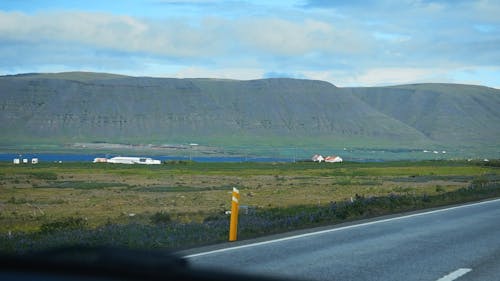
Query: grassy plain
{"points": [[35, 195]]}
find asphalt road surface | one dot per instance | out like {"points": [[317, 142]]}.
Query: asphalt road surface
{"points": [[458, 243]]}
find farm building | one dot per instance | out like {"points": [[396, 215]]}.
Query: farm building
{"points": [[317, 158], [333, 159], [133, 160], [25, 161]]}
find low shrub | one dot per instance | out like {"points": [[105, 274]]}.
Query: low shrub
{"points": [[14, 200], [160, 218], [44, 175], [82, 185], [165, 233], [69, 223]]}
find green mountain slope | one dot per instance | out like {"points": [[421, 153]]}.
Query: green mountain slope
{"points": [[80, 107], [446, 113]]}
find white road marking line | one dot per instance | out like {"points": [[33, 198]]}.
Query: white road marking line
{"points": [[455, 274], [336, 229]]}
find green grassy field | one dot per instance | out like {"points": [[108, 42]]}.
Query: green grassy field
{"points": [[36, 195]]}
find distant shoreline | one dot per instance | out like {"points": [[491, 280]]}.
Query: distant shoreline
{"points": [[67, 157]]}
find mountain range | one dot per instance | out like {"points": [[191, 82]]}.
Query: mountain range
{"points": [[62, 108]]}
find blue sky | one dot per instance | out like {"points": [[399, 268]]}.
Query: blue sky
{"points": [[347, 43]]}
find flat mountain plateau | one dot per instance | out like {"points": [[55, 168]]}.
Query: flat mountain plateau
{"points": [[76, 107]]}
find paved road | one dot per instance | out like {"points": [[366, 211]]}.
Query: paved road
{"points": [[459, 243]]}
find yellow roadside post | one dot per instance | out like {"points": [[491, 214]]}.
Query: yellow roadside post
{"points": [[235, 206]]}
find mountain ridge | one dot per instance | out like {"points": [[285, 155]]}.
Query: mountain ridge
{"points": [[81, 106]]}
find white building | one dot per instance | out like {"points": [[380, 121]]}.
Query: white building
{"points": [[17, 161], [34, 161], [133, 160], [333, 159], [318, 158]]}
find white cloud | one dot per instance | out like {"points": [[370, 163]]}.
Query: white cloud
{"points": [[409, 75], [391, 37], [399, 75], [284, 37], [487, 10], [415, 41], [97, 30], [176, 37], [223, 73]]}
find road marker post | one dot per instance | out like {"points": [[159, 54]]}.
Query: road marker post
{"points": [[235, 206]]}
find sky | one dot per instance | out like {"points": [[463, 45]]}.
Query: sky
{"points": [[347, 43]]}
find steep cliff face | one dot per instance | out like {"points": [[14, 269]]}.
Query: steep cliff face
{"points": [[102, 107]]}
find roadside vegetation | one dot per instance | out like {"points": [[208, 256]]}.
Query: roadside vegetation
{"points": [[181, 205]]}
